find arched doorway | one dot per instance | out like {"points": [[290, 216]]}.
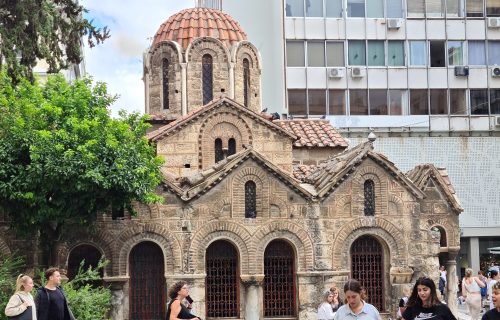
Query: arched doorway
{"points": [[279, 280], [367, 267], [147, 282], [222, 299], [90, 254]]}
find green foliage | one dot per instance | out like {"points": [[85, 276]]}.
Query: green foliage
{"points": [[10, 268], [52, 30], [64, 158]]}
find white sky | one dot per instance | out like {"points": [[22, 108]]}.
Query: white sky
{"points": [[118, 61]]}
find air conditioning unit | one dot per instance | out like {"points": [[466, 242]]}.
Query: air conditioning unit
{"points": [[497, 121], [357, 72], [493, 22], [336, 72], [461, 71], [495, 72], [394, 23]]}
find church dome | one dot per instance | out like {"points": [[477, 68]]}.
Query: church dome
{"points": [[189, 24]]}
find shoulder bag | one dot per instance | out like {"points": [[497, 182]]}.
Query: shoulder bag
{"points": [[26, 315]]}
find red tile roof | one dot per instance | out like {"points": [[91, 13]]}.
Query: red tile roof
{"points": [[189, 24], [301, 171], [313, 133]]}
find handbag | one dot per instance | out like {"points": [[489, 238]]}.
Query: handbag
{"points": [[26, 315]]}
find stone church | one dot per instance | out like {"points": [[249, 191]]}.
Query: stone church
{"points": [[261, 215]]}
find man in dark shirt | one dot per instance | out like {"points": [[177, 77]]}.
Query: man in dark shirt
{"points": [[51, 304]]}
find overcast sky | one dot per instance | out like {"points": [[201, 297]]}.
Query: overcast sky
{"points": [[118, 61]]}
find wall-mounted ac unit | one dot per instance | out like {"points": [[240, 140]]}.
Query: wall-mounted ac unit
{"points": [[495, 72], [394, 23], [336, 72], [493, 22], [497, 121], [461, 71], [357, 72]]}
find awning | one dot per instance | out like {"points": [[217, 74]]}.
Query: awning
{"points": [[494, 250]]}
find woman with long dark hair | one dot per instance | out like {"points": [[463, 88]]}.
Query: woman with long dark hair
{"points": [[176, 310], [425, 304]]}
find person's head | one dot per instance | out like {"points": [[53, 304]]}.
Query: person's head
{"points": [[495, 295], [354, 293], [494, 274], [406, 291], [24, 283], [53, 276], [442, 268], [468, 272], [328, 296], [178, 289], [335, 292], [424, 293], [480, 273]]}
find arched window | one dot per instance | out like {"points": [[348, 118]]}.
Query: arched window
{"points": [[246, 82], [442, 236], [369, 188], [250, 199], [219, 153], [84, 252], [207, 76], [222, 280], [231, 144], [165, 67]]}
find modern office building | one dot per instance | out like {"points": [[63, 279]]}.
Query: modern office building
{"points": [[423, 74]]}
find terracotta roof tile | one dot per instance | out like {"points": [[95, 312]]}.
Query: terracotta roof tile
{"points": [[189, 24], [301, 171], [313, 133]]}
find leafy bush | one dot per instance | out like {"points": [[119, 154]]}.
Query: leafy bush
{"points": [[10, 267]]}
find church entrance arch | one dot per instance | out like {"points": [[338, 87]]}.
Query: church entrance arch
{"points": [[147, 282], [367, 267]]}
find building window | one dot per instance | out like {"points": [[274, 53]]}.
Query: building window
{"points": [[418, 53], [376, 53], [397, 102], [336, 102], [458, 102], [493, 53], [315, 53], [295, 56], [437, 51], [416, 8], [395, 53], [369, 191], [357, 53], [375, 8], [378, 102], [294, 8], [117, 212], [334, 8], [435, 8], [165, 67], [356, 8], [478, 101], [477, 53], [335, 54], [438, 101], [314, 8], [394, 8], [297, 103], [358, 102], [474, 8], [317, 101], [454, 8], [207, 76], [219, 153], [250, 199], [418, 102], [231, 146], [495, 101], [492, 8], [455, 53], [246, 82], [87, 253]]}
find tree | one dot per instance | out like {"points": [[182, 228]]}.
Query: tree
{"points": [[64, 158], [31, 30]]}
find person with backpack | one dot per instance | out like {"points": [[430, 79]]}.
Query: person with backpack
{"points": [[50, 300]]}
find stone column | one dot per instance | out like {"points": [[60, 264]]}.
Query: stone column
{"points": [[451, 279], [253, 296], [184, 88], [116, 285], [474, 253]]}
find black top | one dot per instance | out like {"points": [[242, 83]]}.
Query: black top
{"points": [[493, 314], [437, 312], [336, 307], [184, 314], [56, 305], [48, 304]]}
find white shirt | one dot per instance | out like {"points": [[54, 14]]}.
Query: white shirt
{"points": [[325, 311], [489, 292]]}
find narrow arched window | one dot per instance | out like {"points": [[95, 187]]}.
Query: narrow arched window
{"points": [[165, 67], [219, 153], [369, 188], [250, 199], [231, 146], [246, 82], [207, 76]]}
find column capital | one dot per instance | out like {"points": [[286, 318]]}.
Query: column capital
{"points": [[252, 279]]}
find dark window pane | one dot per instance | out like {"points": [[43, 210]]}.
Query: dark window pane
{"points": [[492, 8], [495, 101], [250, 199], [479, 101], [439, 101], [418, 102], [231, 146], [246, 82], [396, 102], [356, 8], [317, 102], [458, 103], [297, 101], [336, 101], [165, 68], [474, 8], [493, 52], [207, 76], [438, 58], [369, 188], [378, 102], [294, 8], [219, 153], [358, 102]]}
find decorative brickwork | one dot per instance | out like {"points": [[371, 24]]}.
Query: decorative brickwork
{"points": [[255, 174]]}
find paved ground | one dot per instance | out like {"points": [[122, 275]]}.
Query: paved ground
{"points": [[463, 312]]}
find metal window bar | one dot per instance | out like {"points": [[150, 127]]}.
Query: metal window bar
{"points": [[165, 67], [250, 199], [207, 78], [369, 190]]}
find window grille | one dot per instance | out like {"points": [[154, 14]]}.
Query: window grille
{"points": [[207, 76], [222, 280], [246, 82], [219, 153], [250, 199], [369, 198], [367, 268], [279, 280], [165, 67], [231, 146]]}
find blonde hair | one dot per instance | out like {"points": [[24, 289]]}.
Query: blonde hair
{"points": [[21, 280], [468, 272], [334, 290], [407, 291]]}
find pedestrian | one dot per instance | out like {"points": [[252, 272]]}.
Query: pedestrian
{"points": [[403, 301], [494, 313], [442, 281], [355, 306], [50, 300], [471, 291], [337, 302], [484, 290], [176, 309], [494, 279], [425, 304], [325, 310], [21, 304]]}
